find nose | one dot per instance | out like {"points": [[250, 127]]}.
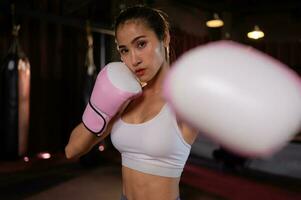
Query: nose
{"points": [[135, 59]]}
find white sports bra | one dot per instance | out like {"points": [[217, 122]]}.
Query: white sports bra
{"points": [[155, 147]]}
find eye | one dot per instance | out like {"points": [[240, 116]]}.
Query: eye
{"points": [[141, 44], [123, 51]]}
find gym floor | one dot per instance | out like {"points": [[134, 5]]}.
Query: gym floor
{"points": [[58, 178]]}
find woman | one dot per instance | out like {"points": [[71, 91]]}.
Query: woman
{"points": [[153, 141]]}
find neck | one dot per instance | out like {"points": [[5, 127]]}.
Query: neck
{"points": [[155, 85]]}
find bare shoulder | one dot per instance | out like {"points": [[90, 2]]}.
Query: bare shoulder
{"points": [[189, 133]]}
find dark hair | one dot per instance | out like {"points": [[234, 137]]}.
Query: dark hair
{"points": [[155, 19]]}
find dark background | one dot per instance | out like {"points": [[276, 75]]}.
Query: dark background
{"points": [[53, 37]]}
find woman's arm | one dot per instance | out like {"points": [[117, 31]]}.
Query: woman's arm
{"points": [[101, 101], [82, 140]]}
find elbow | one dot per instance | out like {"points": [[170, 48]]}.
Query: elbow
{"points": [[69, 153], [74, 152]]}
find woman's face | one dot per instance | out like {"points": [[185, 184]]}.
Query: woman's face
{"points": [[140, 49]]}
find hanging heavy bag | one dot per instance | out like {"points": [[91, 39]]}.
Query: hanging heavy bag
{"points": [[15, 92], [24, 104], [90, 75], [92, 158]]}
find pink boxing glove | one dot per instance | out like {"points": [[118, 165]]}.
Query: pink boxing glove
{"points": [[115, 84], [243, 99]]}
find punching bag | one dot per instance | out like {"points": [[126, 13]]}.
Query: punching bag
{"points": [[90, 74], [15, 92], [91, 158]]}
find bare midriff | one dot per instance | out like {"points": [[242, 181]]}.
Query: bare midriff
{"points": [[138, 185]]}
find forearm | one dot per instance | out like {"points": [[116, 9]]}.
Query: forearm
{"points": [[80, 142]]}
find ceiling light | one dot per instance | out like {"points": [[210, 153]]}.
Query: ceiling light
{"points": [[215, 22], [256, 33]]}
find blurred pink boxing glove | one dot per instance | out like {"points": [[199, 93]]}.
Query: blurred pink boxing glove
{"points": [[243, 99], [115, 84]]}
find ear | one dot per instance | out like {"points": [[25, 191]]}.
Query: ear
{"points": [[166, 39], [117, 48]]}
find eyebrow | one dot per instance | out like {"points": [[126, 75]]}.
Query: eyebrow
{"points": [[133, 41]]}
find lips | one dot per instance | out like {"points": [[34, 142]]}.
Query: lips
{"points": [[140, 72]]}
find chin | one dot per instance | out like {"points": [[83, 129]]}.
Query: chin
{"points": [[144, 79]]}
